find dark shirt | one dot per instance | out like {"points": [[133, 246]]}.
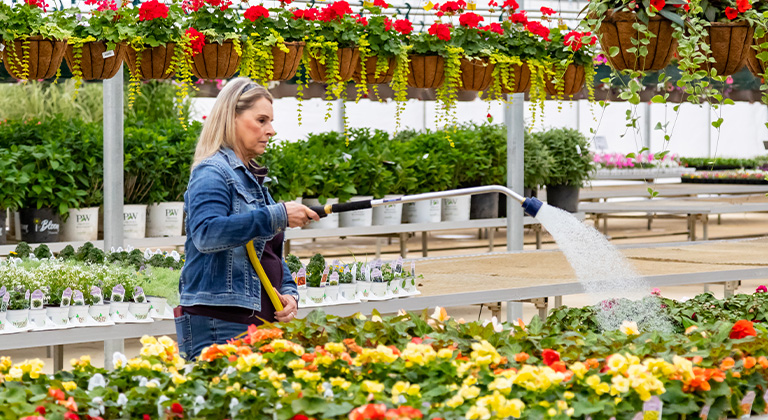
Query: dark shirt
{"points": [[272, 262]]}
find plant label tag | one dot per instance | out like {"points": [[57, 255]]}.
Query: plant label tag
{"points": [[413, 268], [108, 54], [77, 298], [353, 267], [324, 281], [705, 412], [301, 277], [426, 155], [98, 299], [293, 277], [2, 47], [398, 265], [765, 398], [334, 278], [26, 295], [471, 5], [4, 304], [367, 272], [66, 297], [37, 299], [376, 276], [578, 150], [652, 408], [118, 293], [138, 295], [746, 404], [147, 254], [3, 291], [378, 263]]}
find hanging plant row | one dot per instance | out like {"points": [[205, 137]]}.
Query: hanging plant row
{"points": [[213, 39]]}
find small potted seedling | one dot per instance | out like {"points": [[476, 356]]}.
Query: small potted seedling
{"points": [[332, 290], [78, 310], [362, 279], [36, 310], [139, 307], [58, 306], [118, 306], [379, 285], [315, 270], [347, 285], [16, 302], [98, 310]]}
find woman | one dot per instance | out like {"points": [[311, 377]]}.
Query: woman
{"points": [[227, 206]]}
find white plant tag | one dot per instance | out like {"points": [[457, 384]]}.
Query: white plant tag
{"points": [[398, 265], [138, 295], [3, 291], [324, 281], [6, 301], [108, 54], [746, 404], [98, 299], [652, 408], [66, 297], [353, 267], [77, 298], [413, 268], [376, 276], [301, 277], [367, 271], [118, 293], [705, 412], [765, 398], [335, 264], [147, 254], [2, 47], [37, 299], [334, 278]]}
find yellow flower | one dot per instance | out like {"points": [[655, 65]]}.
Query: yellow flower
{"points": [[340, 383], [551, 412], [579, 369], [419, 354], [166, 342], [503, 385], [620, 385], [335, 348], [684, 367], [296, 364], [629, 328], [454, 401], [414, 390], [469, 392], [247, 362], [617, 363], [69, 386], [476, 412], [440, 314], [568, 395], [400, 387], [296, 387], [372, 386], [483, 353], [445, 353], [148, 340]]}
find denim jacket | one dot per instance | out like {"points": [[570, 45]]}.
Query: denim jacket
{"points": [[226, 208]]}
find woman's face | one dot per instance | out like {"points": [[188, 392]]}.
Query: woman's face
{"points": [[253, 129]]}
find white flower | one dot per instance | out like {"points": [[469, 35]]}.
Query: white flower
{"points": [[147, 254], [122, 400], [143, 381], [119, 360], [328, 393], [175, 255], [629, 328], [96, 381], [198, 404], [129, 248], [95, 412], [233, 407], [496, 324], [160, 402]]}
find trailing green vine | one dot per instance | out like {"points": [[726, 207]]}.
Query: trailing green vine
{"points": [[19, 65], [135, 73], [399, 83], [257, 61], [181, 64], [447, 93], [77, 58], [361, 86]]}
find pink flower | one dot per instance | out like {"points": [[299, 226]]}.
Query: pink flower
{"points": [[656, 291], [761, 289]]}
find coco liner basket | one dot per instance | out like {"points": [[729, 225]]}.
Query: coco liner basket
{"points": [[522, 79], [476, 74], [286, 64], [573, 81], [370, 71], [426, 71], [45, 56], [616, 31], [754, 64], [93, 65], [155, 61], [348, 60], [216, 61], [730, 44]]}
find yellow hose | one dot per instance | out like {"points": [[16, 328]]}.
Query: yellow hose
{"points": [[271, 292]]}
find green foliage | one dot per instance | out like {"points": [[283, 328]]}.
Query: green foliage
{"points": [[315, 270], [293, 262], [570, 154], [42, 251], [22, 250], [67, 253], [719, 163], [538, 162], [46, 101], [162, 282]]}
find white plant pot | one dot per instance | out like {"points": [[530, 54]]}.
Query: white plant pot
{"points": [[139, 310], [388, 214], [425, 211], [394, 286], [315, 294], [18, 317], [328, 222], [348, 290], [3, 321], [302, 296], [363, 288], [158, 303], [119, 308], [410, 284], [165, 219], [456, 209], [379, 289], [81, 225], [59, 315], [332, 293], [78, 314], [134, 221], [357, 218], [38, 316], [100, 313]]}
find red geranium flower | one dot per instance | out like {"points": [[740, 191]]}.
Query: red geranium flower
{"points": [[451, 7], [152, 9], [56, 393], [37, 3], [307, 14], [369, 412], [575, 39], [381, 3], [197, 39], [761, 289], [362, 20], [470, 19], [146, 417], [441, 31], [742, 328], [510, 4], [299, 417], [256, 12], [335, 10], [546, 11], [494, 27], [731, 13], [403, 26], [657, 5], [550, 356], [743, 5], [71, 416], [537, 28], [40, 410], [519, 17], [387, 24], [176, 408], [492, 4], [403, 412]]}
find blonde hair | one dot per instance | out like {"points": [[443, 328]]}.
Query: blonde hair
{"points": [[238, 95]]}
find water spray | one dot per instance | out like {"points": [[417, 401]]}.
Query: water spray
{"points": [[531, 205]]}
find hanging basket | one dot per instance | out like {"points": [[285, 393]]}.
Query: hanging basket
{"points": [[616, 31], [216, 61], [476, 75], [573, 78], [93, 65], [45, 56], [754, 64], [522, 79], [286, 64], [370, 71], [730, 44], [348, 60], [155, 61], [426, 71]]}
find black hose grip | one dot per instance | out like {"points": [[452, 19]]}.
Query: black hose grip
{"points": [[352, 205], [320, 210]]}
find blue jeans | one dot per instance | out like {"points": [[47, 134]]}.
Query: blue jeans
{"points": [[195, 332]]}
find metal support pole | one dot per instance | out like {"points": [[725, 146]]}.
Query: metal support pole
{"points": [[647, 127], [709, 129], [514, 119], [113, 181], [341, 116]]}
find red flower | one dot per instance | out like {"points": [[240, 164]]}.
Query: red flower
{"points": [[307, 14], [403, 412], [362, 20], [284, 3], [743, 5], [451, 7], [439, 14], [494, 27], [146, 417], [71, 416], [575, 39], [761, 289], [470, 19], [299, 417], [335, 10], [197, 40], [152, 9], [403, 26], [489, 117], [546, 11], [519, 17], [742, 328], [387, 24], [510, 4], [492, 4], [36, 3], [550, 356], [731, 13], [40, 410], [381, 3], [57, 394], [441, 31], [256, 12], [657, 5], [176, 408], [537, 28], [369, 412]]}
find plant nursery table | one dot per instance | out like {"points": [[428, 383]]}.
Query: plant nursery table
{"points": [[667, 190], [641, 174]]}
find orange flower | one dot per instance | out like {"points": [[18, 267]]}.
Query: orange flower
{"points": [[256, 334], [521, 357], [352, 346], [558, 366], [749, 362], [697, 360], [592, 363], [727, 363], [244, 351], [69, 404], [763, 362], [308, 357], [212, 353], [742, 328]]}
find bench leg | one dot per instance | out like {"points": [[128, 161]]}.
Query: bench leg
{"points": [[404, 245], [378, 247], [605, 226], [538, 236], [719, 219], [111, 347], [730, 287], [424, 244], [692, 227], [558, 301], [514, 311], [58, 358], [287, 247], [705, 226], [491, 233]]}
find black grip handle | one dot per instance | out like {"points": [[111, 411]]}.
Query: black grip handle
{"points": [[342, 207], [320, 210]]}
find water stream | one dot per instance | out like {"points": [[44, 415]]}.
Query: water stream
{"points": [[606, 275]]}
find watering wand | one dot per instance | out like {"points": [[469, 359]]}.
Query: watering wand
{"points": [[531, 205]]}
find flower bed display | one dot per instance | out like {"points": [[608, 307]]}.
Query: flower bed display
{"points": [[727, 177], [417, 366]]}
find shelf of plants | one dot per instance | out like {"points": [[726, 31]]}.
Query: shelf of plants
{"points": [[709, 361], [728, 177]]}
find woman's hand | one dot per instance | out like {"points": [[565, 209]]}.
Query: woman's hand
{"points": [[289, 307], [299, 215]]}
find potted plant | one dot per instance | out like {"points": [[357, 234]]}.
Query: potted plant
{"points": [[363, 283], [98, 310], [347, 287], [433, 168], [479, 44], [119, 301], [315, 268], [571, 56], [16, 300], [139, 307], [538, 164], [216, 39], [13, 183], [78, 309], [34, 39], [332, 290], [379, 284], [573, 165], [86, 148]]}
